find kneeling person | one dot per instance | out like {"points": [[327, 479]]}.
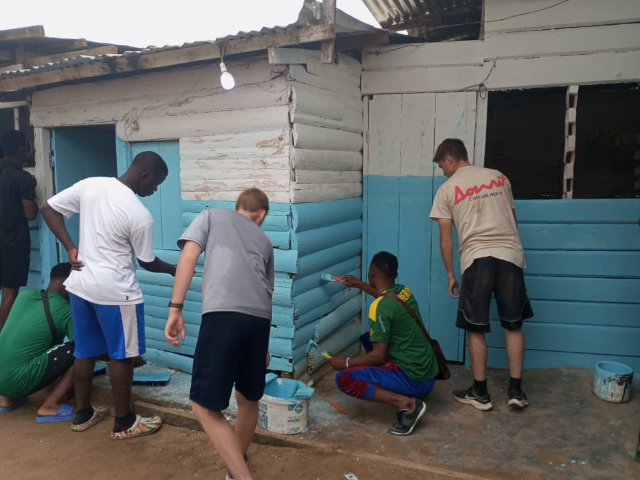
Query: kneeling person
{"points": [[32, 355], [400, 366]]}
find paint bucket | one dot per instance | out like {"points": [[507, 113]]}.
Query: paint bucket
{"points": [[612, 382], [280, 411]]}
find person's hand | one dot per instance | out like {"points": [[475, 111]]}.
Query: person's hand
{"points": [[268, 359], [352, 282], [454, 287], [175, 326], [73, 259], [338, 362]]}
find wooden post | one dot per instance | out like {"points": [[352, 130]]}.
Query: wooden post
{"points": [[329, 18]]}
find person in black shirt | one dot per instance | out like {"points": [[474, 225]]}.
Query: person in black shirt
{"points": [[17, 207]]}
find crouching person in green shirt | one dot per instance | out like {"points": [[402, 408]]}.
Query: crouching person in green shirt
{"points": [[32, 353], [400, 367]]}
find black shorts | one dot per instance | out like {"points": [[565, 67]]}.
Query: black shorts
{"points": [[14, 267], [60, 360], [487, 276], [231, 349]]}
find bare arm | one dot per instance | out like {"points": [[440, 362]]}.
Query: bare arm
{"points": [[30, 209], [158, 266], [184, 274], [353, 282], [55, 222], [446, 248], [378, 356]]}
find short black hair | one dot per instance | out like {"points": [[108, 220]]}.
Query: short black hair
{"points": [[62, 270], [453, 147], [387, 263], [12, 141], [151, 161]]}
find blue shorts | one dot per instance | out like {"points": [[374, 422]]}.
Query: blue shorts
{"points": [[117, 330]]}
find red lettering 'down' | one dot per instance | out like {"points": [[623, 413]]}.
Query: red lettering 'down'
{"points": [[460, 195]]}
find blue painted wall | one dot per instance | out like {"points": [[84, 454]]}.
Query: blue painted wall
{"points": [[583, 274], [308, 239]]}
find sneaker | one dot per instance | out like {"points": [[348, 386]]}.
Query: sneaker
{"points": [[99, 414], [518, 399], [407, 421], [230, 476], [142, 427], [470, 397]]}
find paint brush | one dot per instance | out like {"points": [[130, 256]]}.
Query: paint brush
{"points": [[340, 408], [312, 344], [327, 277]]}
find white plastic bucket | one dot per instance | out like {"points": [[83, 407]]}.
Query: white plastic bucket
{"points": [[612, 382], [280, 411]]}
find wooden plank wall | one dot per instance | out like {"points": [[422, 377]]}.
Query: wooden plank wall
{"points": [[577, 42], [326, 126], [583, 280]]}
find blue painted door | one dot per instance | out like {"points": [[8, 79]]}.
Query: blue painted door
{"points": [[79, 153], [166, 204]]}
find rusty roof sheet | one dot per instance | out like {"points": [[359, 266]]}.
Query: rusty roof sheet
{"points": [[408, 14]]}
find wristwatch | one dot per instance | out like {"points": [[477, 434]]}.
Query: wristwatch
{"points": [[179, 306]]}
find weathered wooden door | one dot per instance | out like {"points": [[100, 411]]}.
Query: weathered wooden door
{"points": [[400, 181]]}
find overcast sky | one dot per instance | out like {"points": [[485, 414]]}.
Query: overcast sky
{"points": [[159, 22]]}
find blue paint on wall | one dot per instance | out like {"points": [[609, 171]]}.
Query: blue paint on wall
{"points": [[583, 275]]}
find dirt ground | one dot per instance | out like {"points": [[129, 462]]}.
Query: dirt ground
{"points": [[52, 451]]}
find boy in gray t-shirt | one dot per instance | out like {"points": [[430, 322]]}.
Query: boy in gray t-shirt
{"points": [[233, 341]]}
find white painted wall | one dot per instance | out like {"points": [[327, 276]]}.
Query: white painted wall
{"points": [[327, 125]]}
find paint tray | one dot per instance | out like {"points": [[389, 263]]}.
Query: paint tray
{"points": [[152, 379]]}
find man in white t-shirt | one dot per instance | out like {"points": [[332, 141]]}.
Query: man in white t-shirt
{"points": [[106, 300], [479, 202]]}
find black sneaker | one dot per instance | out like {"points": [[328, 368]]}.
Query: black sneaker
{"points": [[517, 399], [407, 421], [470, 397], [229, 476]]}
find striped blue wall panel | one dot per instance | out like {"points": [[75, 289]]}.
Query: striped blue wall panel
{"points": [[578, 211], [309, 216], [336, 319], [583, 279], [549, 359], [328, 237]]}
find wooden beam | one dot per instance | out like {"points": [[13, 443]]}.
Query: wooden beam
{"points": [[110, 49], [21, 33], [168, 58], [360, 41], [6, 55], [11, 68], [57, 46], [328, 47]]}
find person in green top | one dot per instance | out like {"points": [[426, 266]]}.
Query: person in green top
{"points": [[400, 366], [31, 358]]}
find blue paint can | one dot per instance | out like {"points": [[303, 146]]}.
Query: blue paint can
{"points": [[612, 382], [280, 409]]}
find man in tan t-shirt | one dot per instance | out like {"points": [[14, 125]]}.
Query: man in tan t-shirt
{"points": [[479, 202]]}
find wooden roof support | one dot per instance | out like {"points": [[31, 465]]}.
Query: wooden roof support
{"points": [[110, 49], [328, 47], [21, 33], [167, 58]]}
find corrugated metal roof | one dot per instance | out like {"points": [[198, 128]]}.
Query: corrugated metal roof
{"points": [[410, 14], [309, 15]]}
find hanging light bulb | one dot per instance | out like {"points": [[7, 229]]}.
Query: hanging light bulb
{"points": [[226, 79]]}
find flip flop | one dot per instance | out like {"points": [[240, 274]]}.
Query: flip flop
{"points": [[15, 405], [64, 414]]}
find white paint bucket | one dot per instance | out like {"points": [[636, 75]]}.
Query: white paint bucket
{"points": [[280, 411], [612, 382]]}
